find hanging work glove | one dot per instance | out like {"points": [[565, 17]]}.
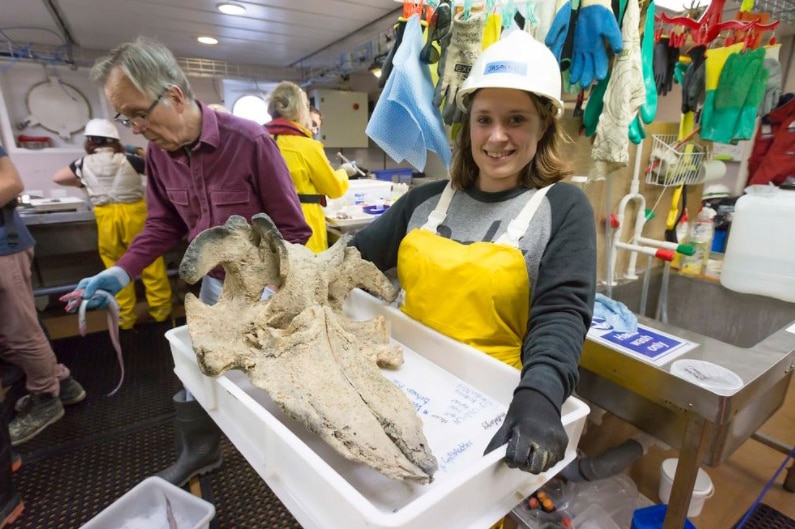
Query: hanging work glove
{"points": [[694, 80], [594, 107], [456, 62], [349, 168], [438, 28], [665, 59], [110, 280], [739, 92], [560, 35], [756, 95], [386, 69], [534, 433], [649, 109], [596, 24], [773, 87]]}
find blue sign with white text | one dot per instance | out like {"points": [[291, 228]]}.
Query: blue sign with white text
{"points": [[646, 343]]}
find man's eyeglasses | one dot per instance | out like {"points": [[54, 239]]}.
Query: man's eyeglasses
{"points": [[141, 117]]}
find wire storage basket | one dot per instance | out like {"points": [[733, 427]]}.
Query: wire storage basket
{"points": [[674, 163]]}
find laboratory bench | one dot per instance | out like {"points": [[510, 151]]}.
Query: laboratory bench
{"points": [[704, 413]]}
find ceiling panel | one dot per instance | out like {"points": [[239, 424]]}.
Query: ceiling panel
{"points": [[272, 33]]}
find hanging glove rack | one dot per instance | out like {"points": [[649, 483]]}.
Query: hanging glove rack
{"points": [[710, 24]]}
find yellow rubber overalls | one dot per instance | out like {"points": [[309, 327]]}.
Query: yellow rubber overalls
{"points": [[478, 293]]}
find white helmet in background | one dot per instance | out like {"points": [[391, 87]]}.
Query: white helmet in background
{"points": [[102, 128], [516, 61]]}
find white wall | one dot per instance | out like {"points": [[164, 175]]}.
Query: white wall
{"points": [[37, 166]]}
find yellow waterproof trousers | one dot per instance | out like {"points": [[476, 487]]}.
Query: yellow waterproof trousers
{"points": [[117, 226]]}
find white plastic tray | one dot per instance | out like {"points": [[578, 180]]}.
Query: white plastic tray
{"points": [[461, 395], [145, 506]]}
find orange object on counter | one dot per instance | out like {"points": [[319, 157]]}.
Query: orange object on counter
{"points": [[34, 142]]}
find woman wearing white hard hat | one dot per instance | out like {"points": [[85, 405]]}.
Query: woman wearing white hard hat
{"points": [[498, 257], [115, 186]]}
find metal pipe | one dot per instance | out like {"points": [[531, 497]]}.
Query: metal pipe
{"points": [[662, 299], [648, 250], [644, 292], [773, 443]]}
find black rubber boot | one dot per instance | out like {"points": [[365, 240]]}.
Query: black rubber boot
{"points": [[10, 502], [200, 441]]}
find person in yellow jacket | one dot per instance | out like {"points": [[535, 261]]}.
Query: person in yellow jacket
{"points": [[312, 173], [115, 186]]}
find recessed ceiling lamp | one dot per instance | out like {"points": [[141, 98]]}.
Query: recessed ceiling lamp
{"points": [[207, 40], [231, 9]]}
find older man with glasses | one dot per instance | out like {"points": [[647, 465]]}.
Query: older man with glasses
{"points": [[202, 167]]}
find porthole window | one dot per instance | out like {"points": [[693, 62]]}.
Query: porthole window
{"points": [[252, 107]]}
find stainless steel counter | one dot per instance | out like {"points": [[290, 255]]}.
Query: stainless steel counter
{"points": [[56, 217], [753, 336], [66, 249]]}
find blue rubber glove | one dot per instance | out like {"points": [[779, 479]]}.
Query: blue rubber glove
{"points": [[559, 30], [534, 433], [595, 24], [111, 280]]}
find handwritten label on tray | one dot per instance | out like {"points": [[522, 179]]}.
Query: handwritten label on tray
{"points": [[458, 420]]}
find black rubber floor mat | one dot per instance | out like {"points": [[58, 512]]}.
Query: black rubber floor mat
{"points": [[104, 446], [241, 498], [766, 517]]}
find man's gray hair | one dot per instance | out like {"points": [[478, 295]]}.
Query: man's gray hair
{"points": [[150, 66]]}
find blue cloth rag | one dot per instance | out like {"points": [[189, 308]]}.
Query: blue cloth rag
{"points": [[405, 123], [615, 314]]}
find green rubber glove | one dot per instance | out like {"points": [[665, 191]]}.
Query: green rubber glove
{"points": [[648, 110], [596, 103], [679, 72], [738, 94], [636, 132]]}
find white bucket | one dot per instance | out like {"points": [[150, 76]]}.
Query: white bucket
{"points": [[702, 490]]}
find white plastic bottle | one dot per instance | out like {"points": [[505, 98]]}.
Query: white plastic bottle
{"points": [[682, 229], [701, 233]]}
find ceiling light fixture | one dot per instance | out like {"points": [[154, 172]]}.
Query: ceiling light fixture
{"points": [[231, 9], [207, 40]]}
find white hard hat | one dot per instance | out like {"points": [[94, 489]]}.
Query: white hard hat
{"points": [[516, 61], [102, 128]]}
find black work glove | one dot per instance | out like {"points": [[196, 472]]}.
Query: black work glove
{"points": [[673, 58], [665, 58], [438, 28], [534, 433], [386, 69], [694, 80]]}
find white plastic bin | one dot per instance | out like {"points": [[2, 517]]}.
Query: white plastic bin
{"points": [[361, 191], [323, 490], [702, 490], [145, 506]]}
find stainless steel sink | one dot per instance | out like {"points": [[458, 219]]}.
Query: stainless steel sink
{"points": [[705, 307], [753, 336]]}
